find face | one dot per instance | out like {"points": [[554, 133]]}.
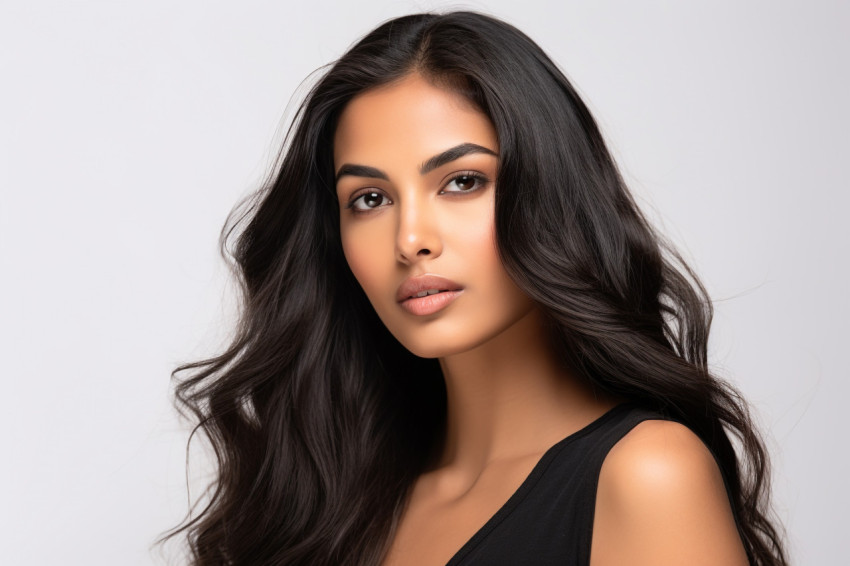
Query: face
{"points": [[415, 167]]}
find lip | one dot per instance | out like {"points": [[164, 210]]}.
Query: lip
{"points": [[429, 304], [413, 285]]}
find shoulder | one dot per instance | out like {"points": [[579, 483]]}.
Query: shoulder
{"points": [[661, 500], [660, 454]]}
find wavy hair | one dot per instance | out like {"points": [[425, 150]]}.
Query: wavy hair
{"points": [[320, 421]]}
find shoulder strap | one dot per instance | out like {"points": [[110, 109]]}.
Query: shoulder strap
{"points": [[549, 520]]}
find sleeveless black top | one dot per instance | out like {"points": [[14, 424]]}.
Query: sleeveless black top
{"points": [[549, 519]]}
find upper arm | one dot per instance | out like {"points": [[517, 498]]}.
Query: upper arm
{"points": [[661, 501]]}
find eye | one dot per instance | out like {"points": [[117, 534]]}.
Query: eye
{"points": [[466, 182], [368, 201]]}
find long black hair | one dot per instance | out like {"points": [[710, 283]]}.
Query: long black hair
{"points": [[321, 421]]}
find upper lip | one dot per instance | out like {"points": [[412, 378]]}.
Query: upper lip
{"points": [[413, 285]]}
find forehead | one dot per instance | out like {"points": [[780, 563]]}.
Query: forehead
{"points": [[410, 119]]}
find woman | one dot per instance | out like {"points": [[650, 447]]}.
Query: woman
{"points": [[461, 342]]}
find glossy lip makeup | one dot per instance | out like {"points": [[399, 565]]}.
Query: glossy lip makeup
{"points": [[427, 294], [431, 303]]}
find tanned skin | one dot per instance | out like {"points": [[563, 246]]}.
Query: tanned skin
{"points": [[660, 501]]}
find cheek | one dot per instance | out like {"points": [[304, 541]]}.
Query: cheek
{"points": [[475, 242], [481, 258], [363, 256], [358, 261]]}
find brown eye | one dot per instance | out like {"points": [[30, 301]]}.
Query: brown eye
{"points": [[372, 199], [368, 201], [466, 183]]}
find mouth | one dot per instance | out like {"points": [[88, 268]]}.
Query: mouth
{"points": [[430, 302], [421, 294], [425, 286]]}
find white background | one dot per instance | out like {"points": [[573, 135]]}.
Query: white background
{"points": [[129, 130]]}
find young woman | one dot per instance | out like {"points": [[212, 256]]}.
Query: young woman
{"points": [[461, 342]]}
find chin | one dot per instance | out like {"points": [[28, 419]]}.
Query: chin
{"points": [[439, 345], [430, 350]]}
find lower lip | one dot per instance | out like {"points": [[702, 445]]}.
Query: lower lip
{"points": [[430, 304]]}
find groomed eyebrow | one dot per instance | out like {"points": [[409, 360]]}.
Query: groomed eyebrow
{"points": [[432, 163]]}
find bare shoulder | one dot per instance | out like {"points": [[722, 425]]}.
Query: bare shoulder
{"points": [[661, 500]]}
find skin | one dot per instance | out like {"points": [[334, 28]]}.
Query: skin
{"points": [[509, 399]]}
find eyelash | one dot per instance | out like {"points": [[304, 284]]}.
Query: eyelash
{"points": [[481, 182]]}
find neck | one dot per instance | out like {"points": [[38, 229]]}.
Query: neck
{"points": [[510, 397]]}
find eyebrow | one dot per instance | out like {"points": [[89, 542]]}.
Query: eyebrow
{"points": [[432, 163]]}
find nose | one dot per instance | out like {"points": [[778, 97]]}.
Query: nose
{"points": [[418, 234]]}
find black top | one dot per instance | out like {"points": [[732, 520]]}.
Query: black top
{"points": [[549, 519]]}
